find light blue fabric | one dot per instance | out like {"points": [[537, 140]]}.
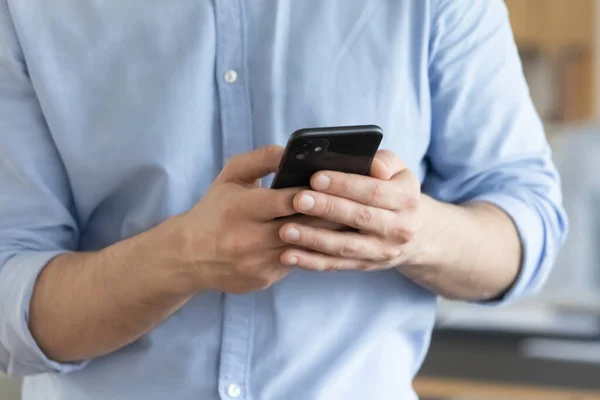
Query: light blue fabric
{"points": [[115, 115]]}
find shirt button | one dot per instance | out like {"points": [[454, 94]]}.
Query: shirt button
{"points": [[234, 391], [231, 76]]}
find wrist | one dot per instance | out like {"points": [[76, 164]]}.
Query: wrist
{"points": [[182, 256], [427, 248], [159, 252]]}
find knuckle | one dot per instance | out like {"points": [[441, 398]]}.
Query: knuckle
{"points": [[404, 233], [234, 160], [333, 268], [400, 229], [272, 155], [272, 151], [386, 156], [391, 253], [386, 153], [372, 267], [395, 232], [363, 216], [314, 241], [230, 201], [229, 213], [414, 180], [348, 250], [345, 184], [318, 264], [412, 229], [411, 204], [378, 193], [329, 208], [365, 266], [410, 233]]}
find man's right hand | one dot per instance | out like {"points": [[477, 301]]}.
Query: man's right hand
{"points": [[230, 238], [82, 304]]}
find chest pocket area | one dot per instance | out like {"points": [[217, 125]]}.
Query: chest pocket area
{"points": [[356, 70]]}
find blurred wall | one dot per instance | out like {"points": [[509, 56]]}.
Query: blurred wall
{"points": [[9, 390], [597, 56]]}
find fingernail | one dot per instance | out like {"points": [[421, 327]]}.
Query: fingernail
{"points": [[291, 261], [292, 235], [322, 182], [306, 203]]}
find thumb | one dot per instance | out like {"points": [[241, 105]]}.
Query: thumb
{"points": [[251, 166], [386, 164]]}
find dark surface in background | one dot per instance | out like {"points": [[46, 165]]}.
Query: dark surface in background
{"points": [[497, 358]]}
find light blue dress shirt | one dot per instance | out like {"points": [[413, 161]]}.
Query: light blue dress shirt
{"points": [[115, 115]]}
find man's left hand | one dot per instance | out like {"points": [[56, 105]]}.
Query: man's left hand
{"points": [[383, 209]]}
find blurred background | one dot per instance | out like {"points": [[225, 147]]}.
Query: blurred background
{"points": [[547, 347]]}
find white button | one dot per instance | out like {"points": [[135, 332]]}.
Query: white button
{"points": [[231, 76], [234, 391]]}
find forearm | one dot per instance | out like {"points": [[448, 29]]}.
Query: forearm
{"points": [[86, 305], [468, 252]]}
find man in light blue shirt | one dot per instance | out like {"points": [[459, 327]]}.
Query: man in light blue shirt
{"points": [[140, 259]]}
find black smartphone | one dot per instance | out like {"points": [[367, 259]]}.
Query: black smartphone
{"points": [[349, 149]]}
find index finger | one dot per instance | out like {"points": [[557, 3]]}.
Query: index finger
{"points": [[361, 189], [386, 164], [248, 167]]}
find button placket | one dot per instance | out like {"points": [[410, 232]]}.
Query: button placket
{"points": [[232, 79], [236, 128]]}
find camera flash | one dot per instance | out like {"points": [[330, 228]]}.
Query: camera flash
{"points": [[317, 149]]}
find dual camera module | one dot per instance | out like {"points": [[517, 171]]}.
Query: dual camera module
{"points": [[312, 148]]}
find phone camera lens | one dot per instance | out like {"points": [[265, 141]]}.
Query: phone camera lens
{"points": [[300, 156]]}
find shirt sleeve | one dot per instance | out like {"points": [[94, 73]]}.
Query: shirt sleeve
{"points": [[488, 143], [36, 218]]}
